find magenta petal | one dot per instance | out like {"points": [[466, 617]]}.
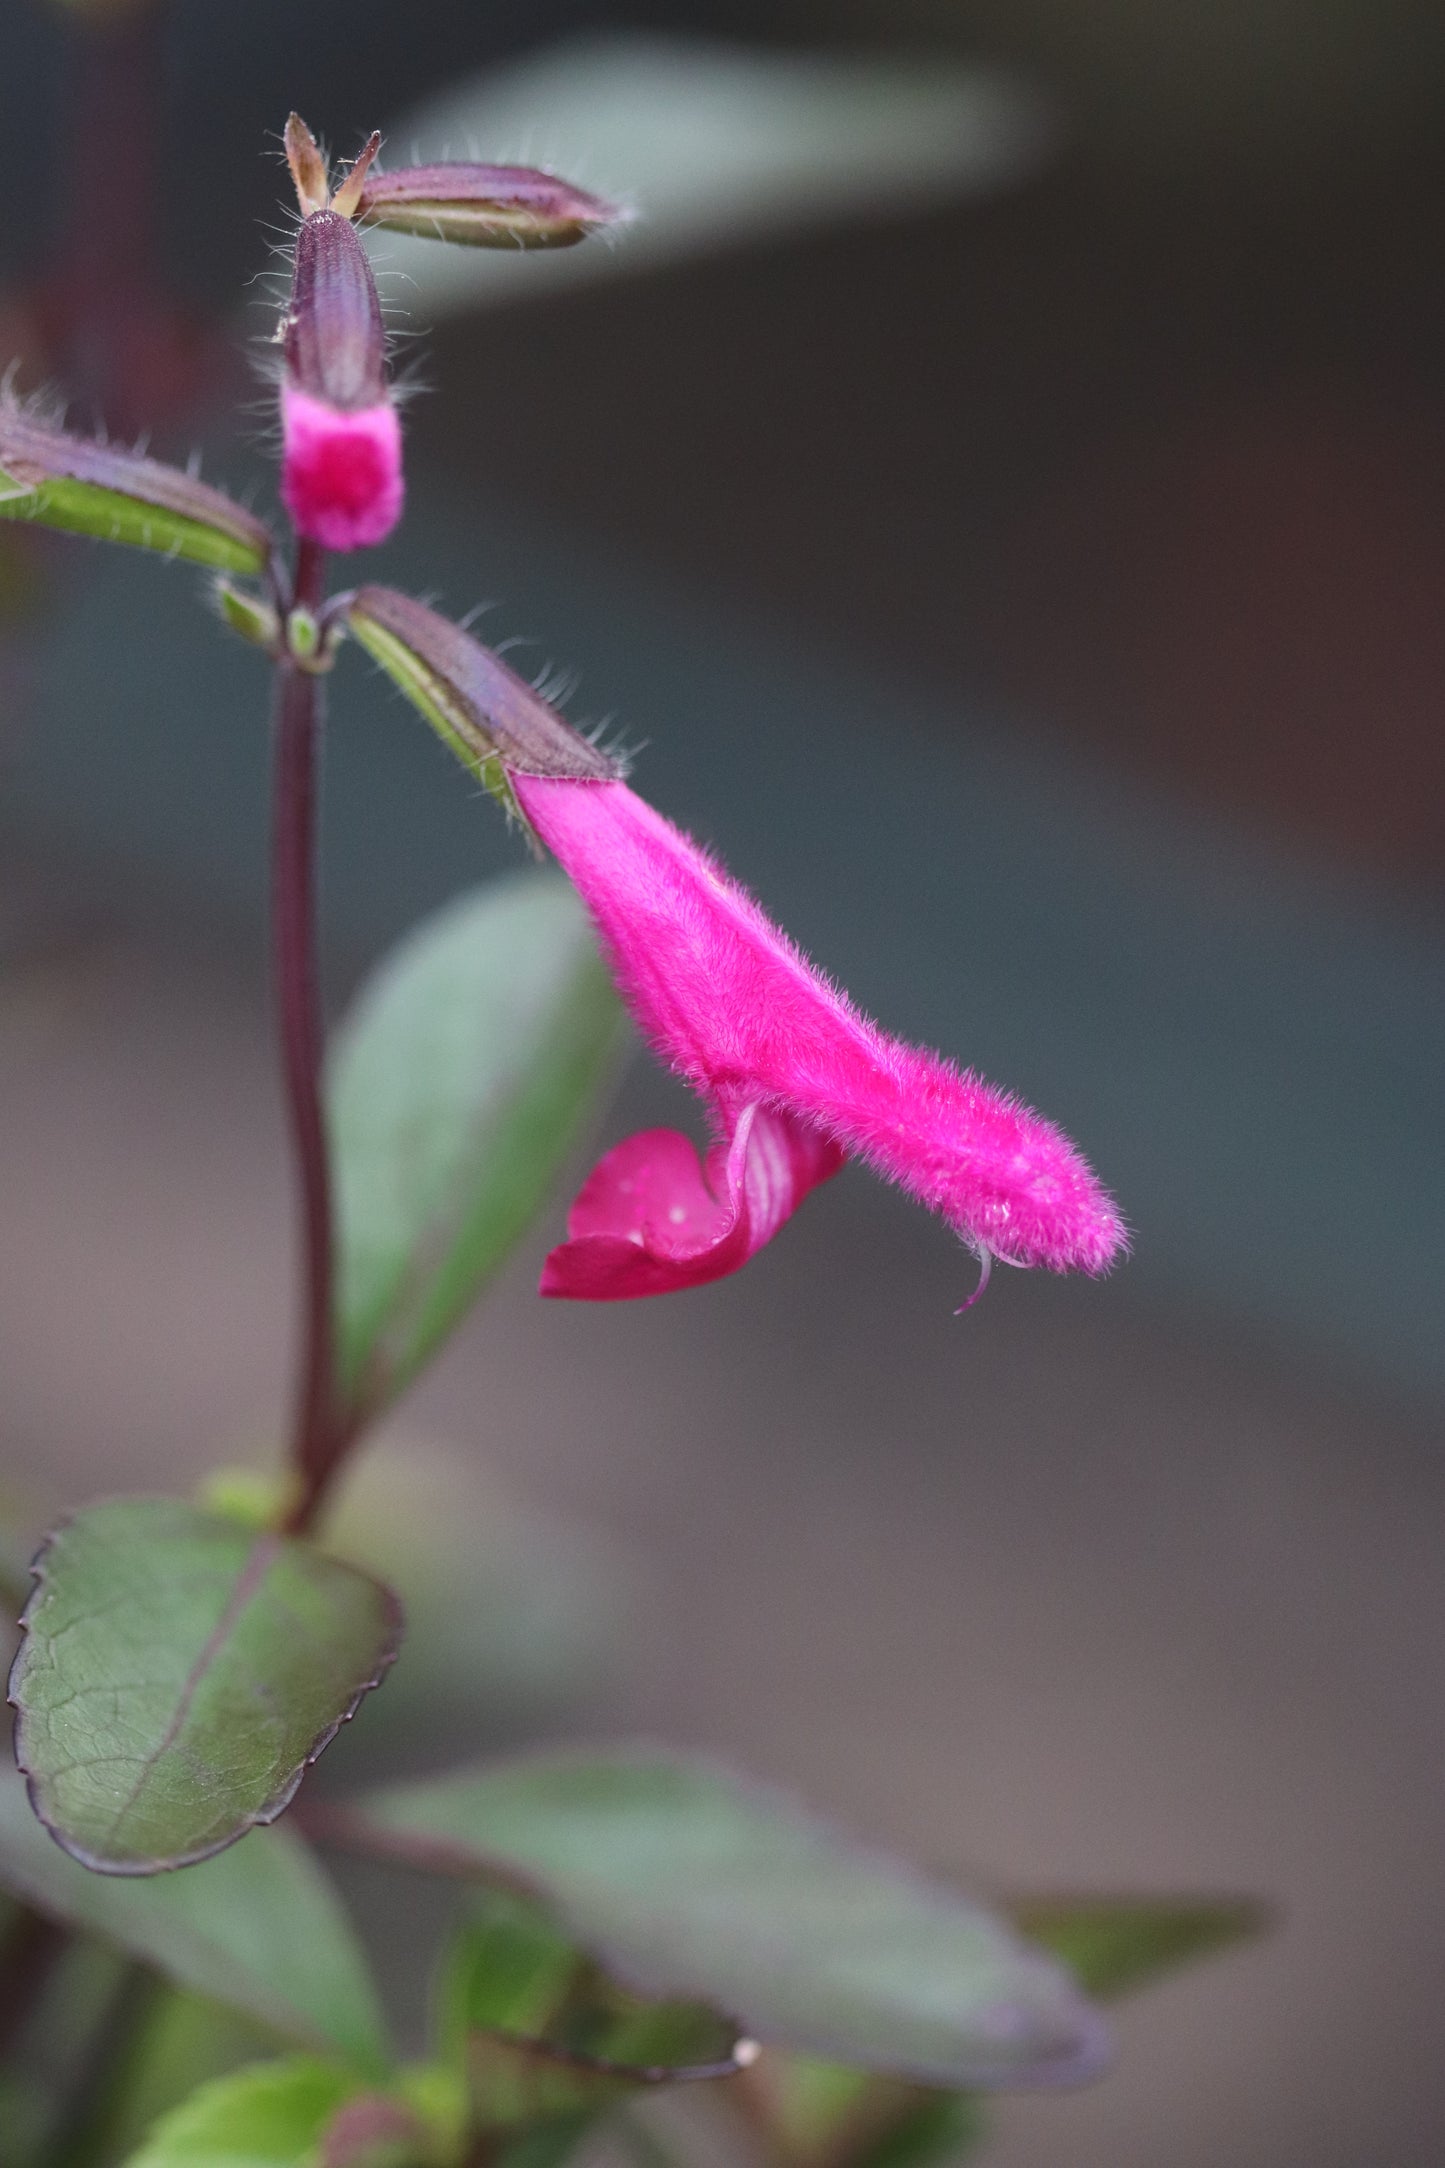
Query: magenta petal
{"points": [[731, 1005], [650, 1218], [341, 480]]}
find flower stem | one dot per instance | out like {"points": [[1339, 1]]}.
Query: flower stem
{"points": [[297, 744]]}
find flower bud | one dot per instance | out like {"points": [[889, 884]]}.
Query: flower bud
{"points": [[341, 479], [484, 206], [373, 2130]]}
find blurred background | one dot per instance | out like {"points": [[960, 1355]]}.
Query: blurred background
{"points": [[998, 483]]}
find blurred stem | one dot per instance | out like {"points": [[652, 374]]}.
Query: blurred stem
{"points": [[28, 1955], [83, 2137], [316, 1440]]}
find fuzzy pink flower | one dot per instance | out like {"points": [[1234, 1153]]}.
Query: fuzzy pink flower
{"points": [[795, 1081], [341, 478], [341, 482]]}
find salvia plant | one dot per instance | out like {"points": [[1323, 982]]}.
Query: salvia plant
{"points": [[628, 1923]]}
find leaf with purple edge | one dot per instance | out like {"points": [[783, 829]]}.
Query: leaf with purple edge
{"points": [[179, 1673], [684, 1880]]}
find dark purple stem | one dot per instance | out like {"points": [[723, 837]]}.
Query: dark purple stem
{"points": [[28, 1956], [315, 1435]]}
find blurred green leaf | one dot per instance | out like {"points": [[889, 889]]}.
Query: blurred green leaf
{"points": [[544, 2035], [179, 1673], [823, 2115], [722, 144], [933, 2129], [258, 1929], [272, 2115], [1117, 1944], [812, 2107], [458, 1086], [22, 2118], [510, 1612], [684, 1880], [544, 2145], [188, 2040]]}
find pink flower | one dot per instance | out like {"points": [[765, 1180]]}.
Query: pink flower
{"points": [[341, 482], [794, 1079], [341, 478]]}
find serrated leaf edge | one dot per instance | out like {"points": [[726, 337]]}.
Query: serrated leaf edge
{"points": [[273, 1808]]}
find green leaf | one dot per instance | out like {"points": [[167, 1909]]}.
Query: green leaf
{"points": [[177, 1676], [544, 2145], [684, 1880], [457, 1088], [544, 2035], [934, 2129], [811, 2108], [823, 2115], [1116, 1944], [272, 2115], [103, 490], [186, 2041], [258, 1929]]}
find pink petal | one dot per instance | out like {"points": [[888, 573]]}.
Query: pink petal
{"points": [[650, 1218], [731, 1004], [341, 478]]}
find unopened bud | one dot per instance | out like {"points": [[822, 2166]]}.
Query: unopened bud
{"points": [[341, 481], [312, 641], [249, 615], [488, 716], [59, 480], [373, 2131], [484, 206]]}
